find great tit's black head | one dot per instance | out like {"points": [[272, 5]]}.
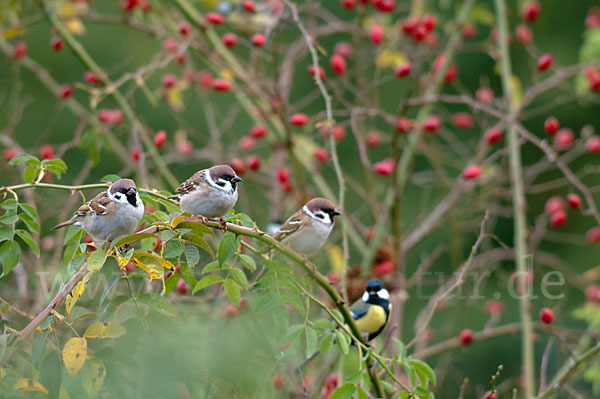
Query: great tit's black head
{"points": [[375, 292], [224, 175]]}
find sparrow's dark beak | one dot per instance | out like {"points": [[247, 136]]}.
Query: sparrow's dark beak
{"points": [[236, 179], [131, 192], [336, 212]]}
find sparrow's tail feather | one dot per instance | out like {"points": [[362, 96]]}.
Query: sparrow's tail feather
{"points": [[63, 224], [305, 363]]}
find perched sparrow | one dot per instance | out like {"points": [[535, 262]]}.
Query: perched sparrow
{"points": [[210, 192], [370, 313], [114, 212], [307, 230]]}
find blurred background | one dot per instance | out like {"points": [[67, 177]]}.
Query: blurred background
{"points": [[205, 126]]}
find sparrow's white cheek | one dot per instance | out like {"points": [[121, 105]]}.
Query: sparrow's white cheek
{"points": [[365, 296]]}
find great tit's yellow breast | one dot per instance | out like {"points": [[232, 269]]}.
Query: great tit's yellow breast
{"points": [[373, 320]]}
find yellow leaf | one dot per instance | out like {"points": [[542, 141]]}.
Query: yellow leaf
{"points": [[174, 99], [75, 26], [93, 377], [27, 384], [67, 10], [74, 354], [227, 74], [75, 294], [152, 264], [12, 32], [104, 330], [517, 90], [390, 59], [336, 256], [2, 373], [179, 218]]}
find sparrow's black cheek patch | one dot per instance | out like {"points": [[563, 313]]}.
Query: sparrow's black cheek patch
{"points": [[132, 200]]}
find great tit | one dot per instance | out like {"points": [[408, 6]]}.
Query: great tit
{"points": [[370, 313]]}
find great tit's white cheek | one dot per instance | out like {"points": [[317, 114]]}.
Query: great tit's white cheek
{"points": [[383, 294], [365, 297]]}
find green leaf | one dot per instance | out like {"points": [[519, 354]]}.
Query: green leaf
{"points": [[239, 277], [410, 373], [191, 254], [324, 324], [157, 302], [211, 267], [28, 209], [227, 247], [30, 173], [26, 236], [184, 272], [206, 281], [343, 342], [56, 166], [233, 291], [423, 371], [51, 374], [10, 252], [110, 284], [199, 241], [172, 249], [195, 226], [30, 222], [344, 392], [248, 262], [326, 343], [311, 338], [74, 233], [10, 204], [293, 333], [6, 233], [9, 218], [361, 394], [38, 348], [389, 388], [96, 260], [131, 238], [110, 178], [24, 159], [401, 348]]}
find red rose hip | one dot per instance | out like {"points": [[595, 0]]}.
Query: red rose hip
{"points": [[160, 138], [472, 172], [545, 62], [551, 125], [466, 337], [546, 316]]}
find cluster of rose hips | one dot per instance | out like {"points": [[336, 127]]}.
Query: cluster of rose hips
{"points": [[556, 208]]}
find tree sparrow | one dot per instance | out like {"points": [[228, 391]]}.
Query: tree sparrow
{"points": [[307, 230], [115, 211], [210, 192]]}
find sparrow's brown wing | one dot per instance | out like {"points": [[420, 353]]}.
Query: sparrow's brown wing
{"points": [[191, 184], [97, 205], [293, 224]]}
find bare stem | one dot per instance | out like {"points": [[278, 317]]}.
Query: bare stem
{"points": [[518, 200]]}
